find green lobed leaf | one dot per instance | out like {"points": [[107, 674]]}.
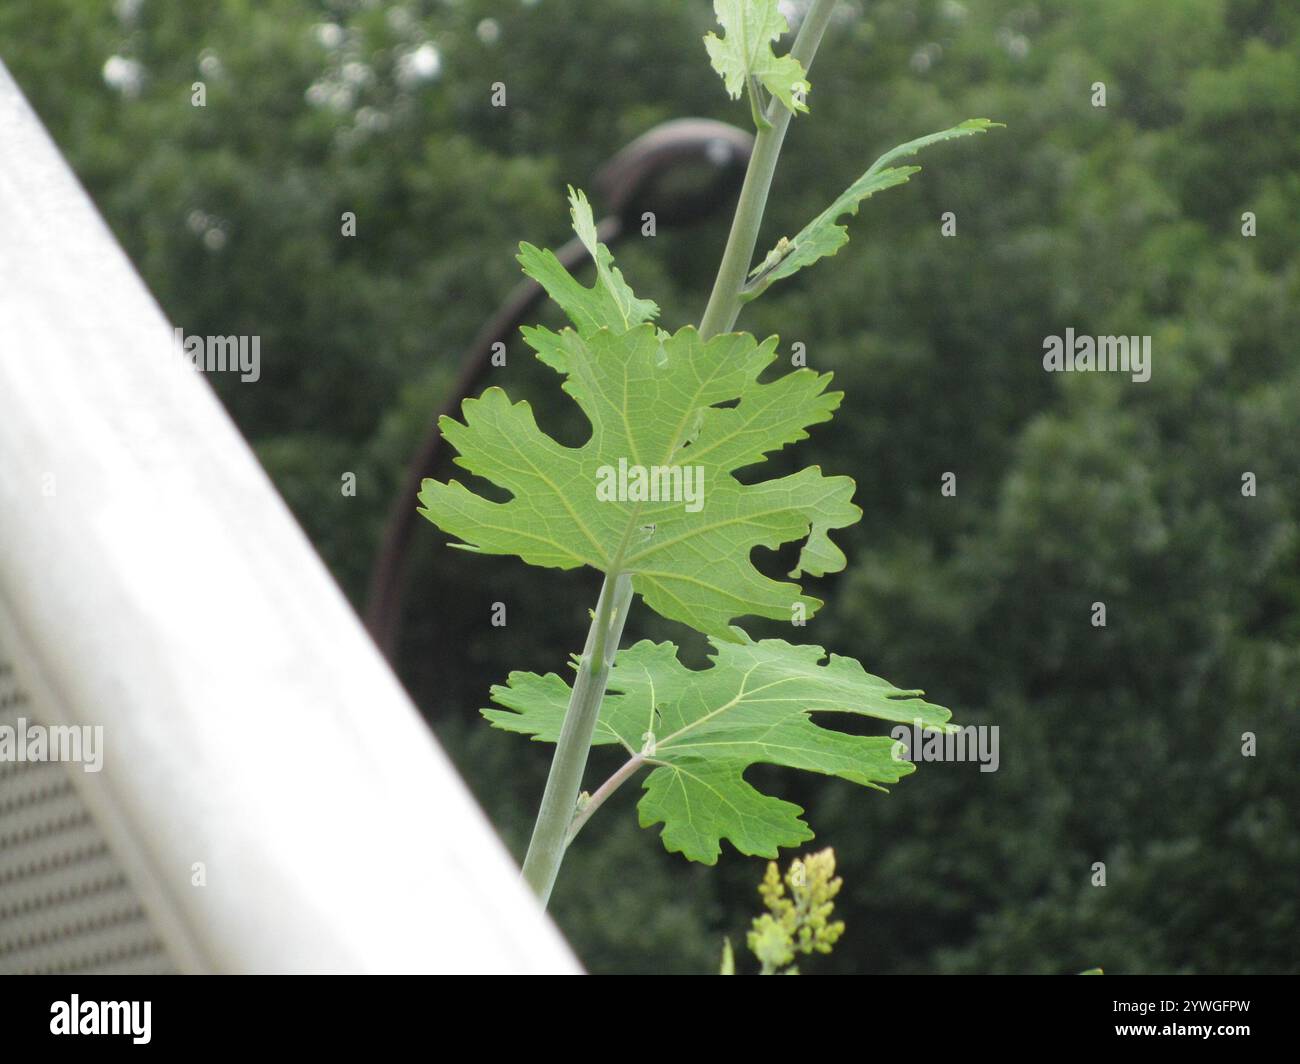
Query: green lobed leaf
{"points": [[610, 302], [700, 731], [746, 51], [652, 400], [823, 236]]}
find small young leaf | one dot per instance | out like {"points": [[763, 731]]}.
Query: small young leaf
{"points": [[652, 402], [746, 51], [823, 236], [609, 303], [752, 705]]}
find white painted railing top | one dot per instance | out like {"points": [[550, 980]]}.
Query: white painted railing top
{"points": [[152, 582]]}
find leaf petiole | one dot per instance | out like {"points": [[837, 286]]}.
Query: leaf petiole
{"points": [[756, 103], [603, 792]]}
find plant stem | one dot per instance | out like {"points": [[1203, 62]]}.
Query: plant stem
{"points": [[560, 799], [724, 302], [558, 820]]}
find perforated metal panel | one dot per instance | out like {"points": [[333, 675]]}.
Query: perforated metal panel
{"points": [[65, 903]]}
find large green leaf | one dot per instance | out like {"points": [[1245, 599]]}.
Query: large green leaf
{"points": [[746, 51], [700, 731], [823, 235], [653, 403]]}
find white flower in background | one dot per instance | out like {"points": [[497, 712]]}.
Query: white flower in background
{"points": [[372, 120], [210, 64], [356, 74], [328, 34], [421, 64], [123, 75]]}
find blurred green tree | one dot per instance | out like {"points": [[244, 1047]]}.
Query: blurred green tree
{"points": [[1121, 744]]}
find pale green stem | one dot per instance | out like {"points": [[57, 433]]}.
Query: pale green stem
{"points": [[560, 799], [724, 302], [556, 820]]}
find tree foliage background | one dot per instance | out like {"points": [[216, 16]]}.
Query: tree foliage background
{"points": [[1120, 744]]}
